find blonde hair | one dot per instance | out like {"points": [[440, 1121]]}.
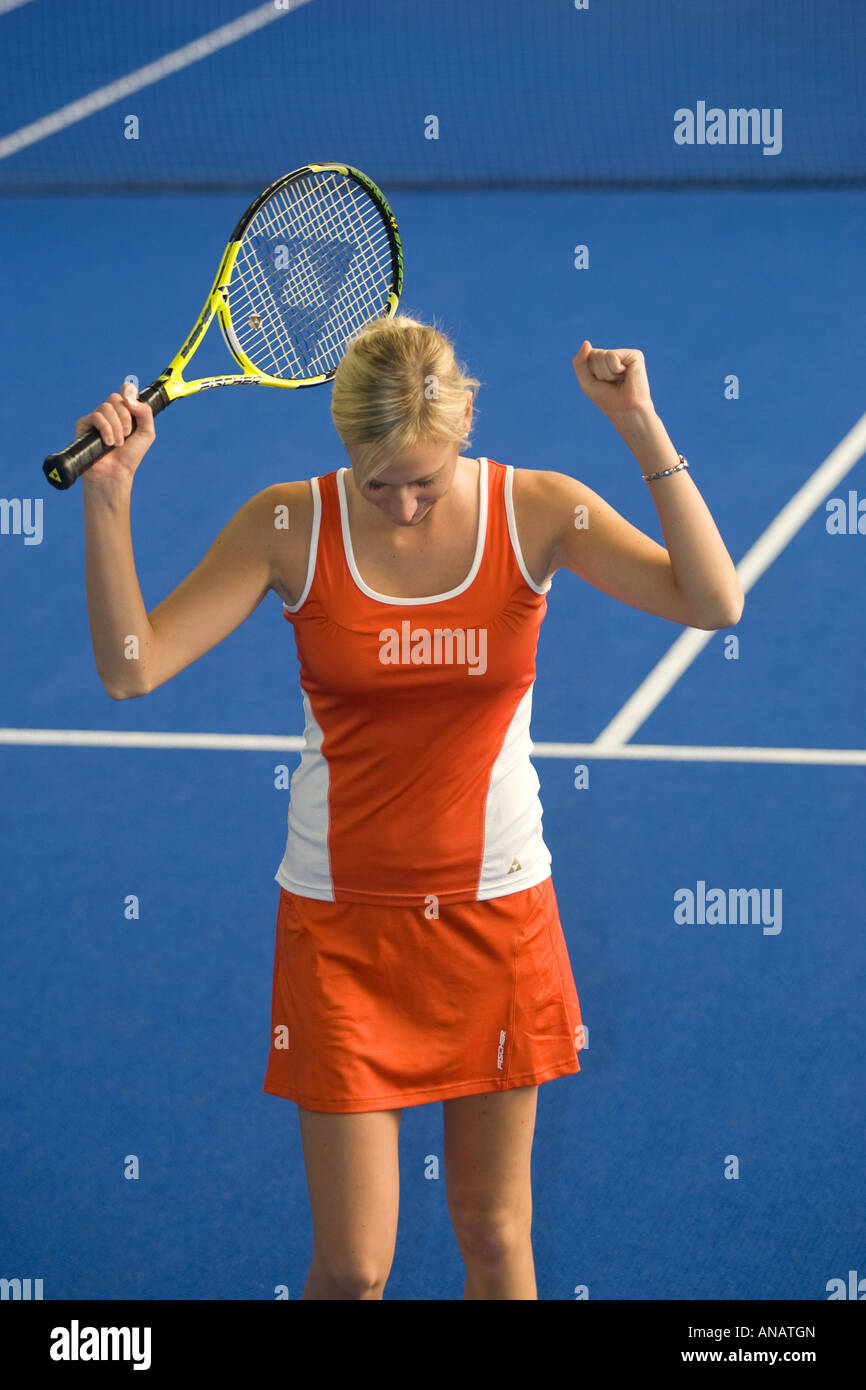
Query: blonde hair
{"points": [[398, 385]]}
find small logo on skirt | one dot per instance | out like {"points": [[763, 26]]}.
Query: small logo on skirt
{"points": [[501, 1051]]}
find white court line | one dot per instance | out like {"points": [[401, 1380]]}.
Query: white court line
{"points": [[7, 5], [144, 77], [684, 753], [278, 743], [769, 545], [109, 738]]}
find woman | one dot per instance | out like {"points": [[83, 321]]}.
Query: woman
{"points": [[419, 953]]}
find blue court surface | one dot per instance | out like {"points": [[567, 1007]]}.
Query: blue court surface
{"points": [[712, 1146]]}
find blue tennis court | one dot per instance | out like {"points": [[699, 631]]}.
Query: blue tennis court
{"points": [[712, 1146]]}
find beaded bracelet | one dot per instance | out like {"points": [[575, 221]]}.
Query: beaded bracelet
{"points": [[651, 477]]}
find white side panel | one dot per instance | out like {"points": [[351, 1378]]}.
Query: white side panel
{"points": [[305, 868], [515, 855]]}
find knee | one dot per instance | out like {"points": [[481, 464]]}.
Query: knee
{"points": [[356, 1284], [353, 1280], [490, 1237]]}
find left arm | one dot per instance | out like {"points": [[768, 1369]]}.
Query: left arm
{"points": [[693, 581]]}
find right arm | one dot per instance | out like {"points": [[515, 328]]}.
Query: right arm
{"points": [[215, 598]]}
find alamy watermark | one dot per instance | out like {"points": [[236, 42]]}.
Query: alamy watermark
{"points": [[736, 126], [22, 516], [438, 646], [729, 907], [77, 1343], [846, 519]]}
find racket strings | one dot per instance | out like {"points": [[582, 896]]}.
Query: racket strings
{"points": [[363, 277], [314, 265]]}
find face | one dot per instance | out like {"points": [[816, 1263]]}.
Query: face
{"points": [[408, 488], [406, 491]]}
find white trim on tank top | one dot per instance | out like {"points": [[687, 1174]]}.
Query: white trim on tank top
{"points": [[432, 598], [512, 531], [314, 546]]}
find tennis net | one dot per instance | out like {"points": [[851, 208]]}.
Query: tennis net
{"points": [[228, 94]]}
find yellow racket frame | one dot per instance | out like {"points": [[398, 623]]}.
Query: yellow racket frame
{"points": [[63, 468]]}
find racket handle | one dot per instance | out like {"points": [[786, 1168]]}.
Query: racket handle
{"points": [[62, 469]]}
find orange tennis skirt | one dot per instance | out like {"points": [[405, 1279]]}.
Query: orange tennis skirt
{"points": [[377, 1007]]}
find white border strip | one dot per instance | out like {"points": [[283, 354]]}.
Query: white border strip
{"points": [[276, 743], [144, 77], [6, 6], [754, 563]]}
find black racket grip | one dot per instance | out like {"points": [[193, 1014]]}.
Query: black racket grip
{"points": [[62, 469]]}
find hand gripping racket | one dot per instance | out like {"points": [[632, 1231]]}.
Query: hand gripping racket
{"points": [[314, 258]]}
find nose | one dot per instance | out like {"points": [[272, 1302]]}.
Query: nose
{"points": [[405, 509]]}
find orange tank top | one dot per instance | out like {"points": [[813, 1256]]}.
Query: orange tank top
{"points": [[415, 783]]}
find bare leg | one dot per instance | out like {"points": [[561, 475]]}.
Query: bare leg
{"points": [[353, 1179], [488, 1150]]}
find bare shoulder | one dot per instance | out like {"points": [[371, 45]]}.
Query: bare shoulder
{"points": [[542, 489], [544, 511], [284, 502], [280, 517]]}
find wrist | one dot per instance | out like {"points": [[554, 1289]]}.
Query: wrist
{"points": [[638, 424], [110, 494], [649, 441]]}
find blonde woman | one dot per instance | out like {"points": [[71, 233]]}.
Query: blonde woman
{"points": [[419, 953]]}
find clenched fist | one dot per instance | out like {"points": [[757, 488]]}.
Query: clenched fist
{"points": [[614, 378]]}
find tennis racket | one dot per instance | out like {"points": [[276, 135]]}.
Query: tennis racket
{"points": [[314, 258]]}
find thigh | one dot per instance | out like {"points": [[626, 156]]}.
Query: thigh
{"points": [[353, 1179], [488, 1151]]}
